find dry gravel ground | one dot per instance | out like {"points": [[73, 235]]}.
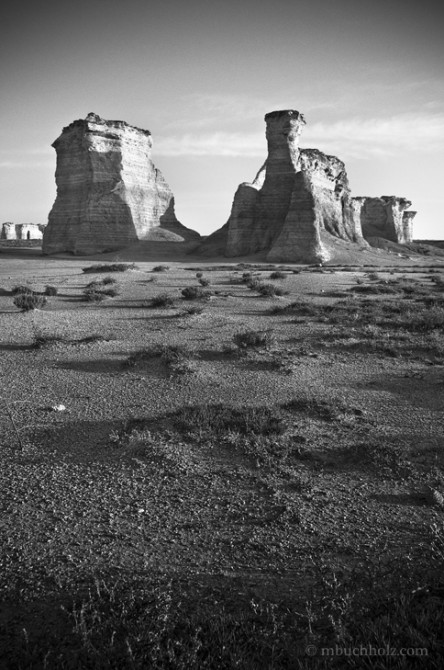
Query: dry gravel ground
{"points": [[103, 479]]}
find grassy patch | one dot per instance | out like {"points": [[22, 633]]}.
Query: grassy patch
{"points": [[278, 275]]}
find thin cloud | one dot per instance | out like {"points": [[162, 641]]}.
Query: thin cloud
{"points": [[211, 144], [354, 138]]}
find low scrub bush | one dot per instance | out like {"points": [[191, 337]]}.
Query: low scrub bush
{"points": [[93, 295], [21, 289], [109, 280], [161, 268], [269, 290], [51, 290], [29, 301], [254, 338], [217, 419], [195, 293], [204, 282], [177, 357], [162, 301], [278, 275], [193, 310], [109, 267]]}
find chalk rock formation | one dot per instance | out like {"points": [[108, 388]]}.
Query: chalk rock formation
{"points": [[109, 193], [298, 203], [385, 217], [21, 231]]}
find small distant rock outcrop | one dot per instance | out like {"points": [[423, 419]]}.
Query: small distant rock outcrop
{"points": [[109, 192], [386, 218], [21, 231], [299, 207]]}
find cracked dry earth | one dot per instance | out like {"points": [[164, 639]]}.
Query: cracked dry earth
{"points": [[112, 486]]}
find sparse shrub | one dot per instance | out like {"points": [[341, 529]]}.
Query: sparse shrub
{"points": [[269, 290], [162, 301], [92, 294], [21, 289], [177, 357], [199, 275], [278, 275], [193, 310], [109, 267], [254, 338], [161, 268], [331, 410], [29, 301], [195, 293], [109, 280], [204, 282], [374, 276], [217, 419], [51, 290], [110, 292]]}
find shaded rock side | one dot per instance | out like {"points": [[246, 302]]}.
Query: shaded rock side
{"points": [[109, 192], [385, 217]]}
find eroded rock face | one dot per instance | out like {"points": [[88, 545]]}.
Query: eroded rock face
{"points": [[299, 201], [385, 217], [109, 192]]}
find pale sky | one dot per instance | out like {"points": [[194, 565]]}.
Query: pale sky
{"points": [[201, 75]]}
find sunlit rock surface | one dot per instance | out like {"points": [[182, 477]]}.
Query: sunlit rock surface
{"points": [[109, 192], [21, 231]]}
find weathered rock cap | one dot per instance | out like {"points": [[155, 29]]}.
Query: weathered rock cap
{"points": [[285, 112], [93, 119]]}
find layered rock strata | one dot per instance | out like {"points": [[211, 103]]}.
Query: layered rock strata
{"points": [[109, 192], [298, 204], [385, 217]]}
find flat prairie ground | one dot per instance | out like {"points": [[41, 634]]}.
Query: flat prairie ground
{"points": [[257, 472]]}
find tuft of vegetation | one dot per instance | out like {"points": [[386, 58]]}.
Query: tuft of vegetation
{"points": [[109, 280], [254, 339], [204, 282], [109, 267], [219, 419], [177, 357], [199, 275], [195, 293], [161, 268], [162, 301], [51, 290], [29, 301], [193, 310], [278, 275], [327, 410], [22, 289]]}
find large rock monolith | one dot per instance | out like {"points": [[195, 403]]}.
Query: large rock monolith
{"points": [[109, 192]]}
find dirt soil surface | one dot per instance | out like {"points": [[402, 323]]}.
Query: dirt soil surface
{"points": [[100, 478]]}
